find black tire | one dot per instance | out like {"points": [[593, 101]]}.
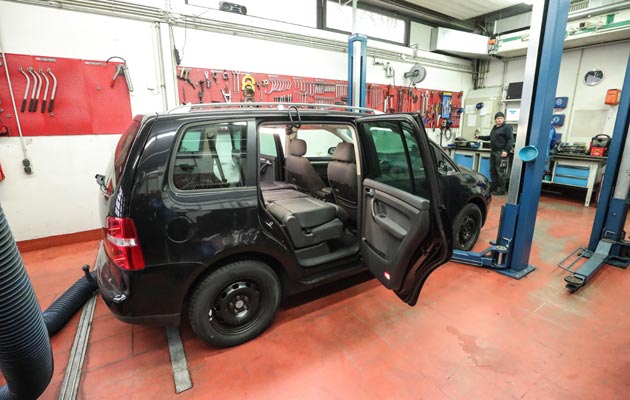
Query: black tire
{"points": [[235, 303], [466, 227]]}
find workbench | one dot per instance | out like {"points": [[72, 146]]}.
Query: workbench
{"points": [[573, 170], [476, 159], [577, 170]]}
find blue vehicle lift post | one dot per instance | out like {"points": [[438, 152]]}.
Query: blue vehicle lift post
{"points": [[509, 254], [357, 65], [607, 244]]}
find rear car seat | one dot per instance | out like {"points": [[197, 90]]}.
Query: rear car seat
{"points": [[308, 221], [276, 185]]}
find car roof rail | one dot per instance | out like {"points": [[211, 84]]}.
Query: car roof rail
{"points": [[280, 106]]}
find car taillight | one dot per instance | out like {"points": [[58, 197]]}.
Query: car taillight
{"points": [[122, 244]]}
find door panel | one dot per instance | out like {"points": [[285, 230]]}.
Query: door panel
{"points": [[403, 238], [395, 220]]}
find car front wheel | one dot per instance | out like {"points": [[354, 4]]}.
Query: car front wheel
{"points": [[235, 303], [466, 227]]}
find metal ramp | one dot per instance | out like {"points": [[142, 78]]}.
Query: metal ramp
{"points": [[596, 260]]}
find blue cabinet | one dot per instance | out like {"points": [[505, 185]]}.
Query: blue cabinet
{"points": [[465, 160], [575, 175], [484, 167]]}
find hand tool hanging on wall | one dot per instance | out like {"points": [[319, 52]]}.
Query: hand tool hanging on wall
{"points": [[205, 73], [53, 93], [33, 90], [227, 96], [184, 75], [121, 69], [28, 84], [249, 88], [201, 91], [39, 89], [42, 73]]}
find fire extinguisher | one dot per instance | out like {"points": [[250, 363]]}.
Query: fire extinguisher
{"points": [[1, 173]]}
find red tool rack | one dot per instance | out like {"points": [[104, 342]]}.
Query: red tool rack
{"points": [[211, 85], [85, 100]]}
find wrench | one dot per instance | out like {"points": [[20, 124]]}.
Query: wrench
{"points": [[39, 90], [53, 92], [41, 71], [32, 101], [207, 79], [28, 84], [227, 96]]}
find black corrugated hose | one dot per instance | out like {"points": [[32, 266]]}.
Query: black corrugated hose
{"points": [[25, 354], [62, 309], [26, 357]]}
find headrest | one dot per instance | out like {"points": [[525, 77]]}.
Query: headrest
{"points": [[344, 152], [211, 132], [297, 147]]}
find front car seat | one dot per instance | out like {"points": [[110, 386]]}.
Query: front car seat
{"points": [[301, 173], [342, 175]]}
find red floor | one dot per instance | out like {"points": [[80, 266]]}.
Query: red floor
{"points": [[474, 334]]}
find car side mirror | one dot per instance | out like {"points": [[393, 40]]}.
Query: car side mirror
{"points": [[445, 168], [331, 150]]}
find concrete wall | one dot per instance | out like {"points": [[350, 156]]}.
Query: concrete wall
{"points": [[60, 196]]}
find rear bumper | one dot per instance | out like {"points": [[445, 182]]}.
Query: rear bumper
{"points": [[114, 286]]}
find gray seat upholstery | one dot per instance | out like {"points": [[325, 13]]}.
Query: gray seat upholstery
{"points": [[342, 175], [280, 194], [300, 172], [275, 185], [308, 221]]}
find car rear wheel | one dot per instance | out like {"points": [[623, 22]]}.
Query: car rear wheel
{"points": [[235, 303], [466, 227]]}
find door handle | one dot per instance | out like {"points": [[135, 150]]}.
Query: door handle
{"points": [[369, 192]]}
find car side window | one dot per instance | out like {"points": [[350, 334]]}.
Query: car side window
{"points": [[268, 145], [318, 141], [211, 156], [399, 162]]}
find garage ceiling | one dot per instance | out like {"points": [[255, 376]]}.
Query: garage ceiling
{"points": [[466, 9]]}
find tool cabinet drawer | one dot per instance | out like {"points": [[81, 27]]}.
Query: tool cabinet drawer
{"points": [[570, 180], [465, 160], [573, 171]]}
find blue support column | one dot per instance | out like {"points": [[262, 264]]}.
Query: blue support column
{"points": [[357, 65], [510, 252], [611, 212], [547, 72]]}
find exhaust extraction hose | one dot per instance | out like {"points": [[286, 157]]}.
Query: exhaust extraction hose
{"points": [[26, 358], [66, 305]]}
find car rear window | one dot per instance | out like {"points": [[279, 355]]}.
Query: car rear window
{"points": [[124, 144]]}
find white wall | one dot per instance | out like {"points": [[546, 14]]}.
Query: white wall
{"points": [[586, 113], [60, 196]]}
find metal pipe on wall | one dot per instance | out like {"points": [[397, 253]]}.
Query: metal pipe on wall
{"points": [[15, 110]]}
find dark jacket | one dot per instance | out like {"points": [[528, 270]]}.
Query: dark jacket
{"points": [[501, 138]]}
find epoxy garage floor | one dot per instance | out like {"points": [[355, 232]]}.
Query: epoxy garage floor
{"points": [[474, 334]]}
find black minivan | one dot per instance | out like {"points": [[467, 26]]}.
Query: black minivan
{"points": [[223, 212]]}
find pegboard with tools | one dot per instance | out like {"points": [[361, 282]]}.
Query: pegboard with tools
{"points": [[63, 96], [199, 85], [439, 108]]}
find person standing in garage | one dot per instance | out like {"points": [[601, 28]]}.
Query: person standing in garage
{"points": [[501, 141]]}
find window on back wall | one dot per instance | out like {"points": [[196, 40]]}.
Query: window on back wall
{"points": [[299, 12], [370, 23]]}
